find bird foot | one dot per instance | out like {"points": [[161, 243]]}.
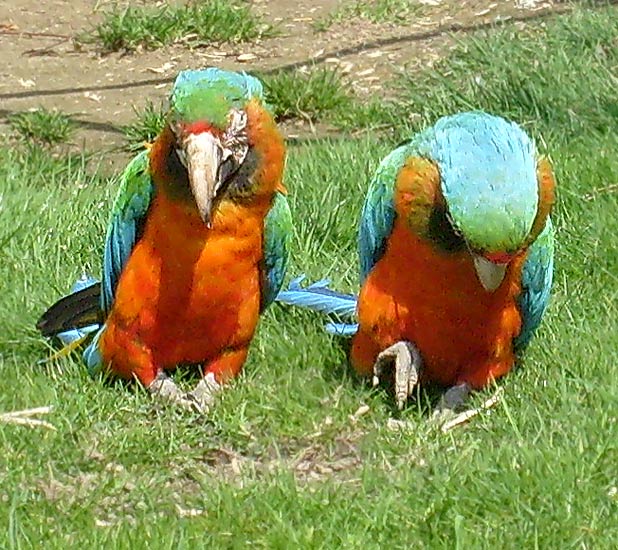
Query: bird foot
{"points": [[451, 403], [407, 362], [446, 416], [164, 389], [203, 395], [200, 399]]}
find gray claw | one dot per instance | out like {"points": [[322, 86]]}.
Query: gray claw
{"points": [[203, 395], [451, 402], [165, 389], [407, 362]]}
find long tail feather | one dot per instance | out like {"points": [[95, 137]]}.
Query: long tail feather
{"points": [[318, 297], [346, 330], [79, 310]]}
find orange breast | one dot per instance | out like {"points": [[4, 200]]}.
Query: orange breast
{"points": [[187, 292], [435, 300]]}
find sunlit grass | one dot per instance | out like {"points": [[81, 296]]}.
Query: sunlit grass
{"points": [[195, 23], [280, 463], [148, 122], [375, 11], [42, 126]]}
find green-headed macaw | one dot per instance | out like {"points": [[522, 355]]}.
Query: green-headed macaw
{"points": [[196, 245]]}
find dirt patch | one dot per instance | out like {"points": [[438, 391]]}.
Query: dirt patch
{"points": [[115, 493], [42, 64], [308, 460]]}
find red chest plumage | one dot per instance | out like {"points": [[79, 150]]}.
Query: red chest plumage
{"points": [[436, 301], [188, 292]]}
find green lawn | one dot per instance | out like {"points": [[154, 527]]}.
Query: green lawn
{"points": [[280, 463]]}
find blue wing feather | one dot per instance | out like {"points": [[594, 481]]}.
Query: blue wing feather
{"points": [[126, 223], [277, 232], [536, 285], [128, 215]]}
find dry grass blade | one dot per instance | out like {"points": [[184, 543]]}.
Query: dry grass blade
{"points": [[607, 189], [467, 415], [23, 418]]}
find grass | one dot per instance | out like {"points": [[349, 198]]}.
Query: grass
{"points": [[376, 11], [308, 95], [195, 23], [147, 125], [559, 76], [280, 463], [317, 95], [42, 126]]}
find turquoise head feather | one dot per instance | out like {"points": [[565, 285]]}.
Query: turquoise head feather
{"points": [[209, 95], [488, 178]]}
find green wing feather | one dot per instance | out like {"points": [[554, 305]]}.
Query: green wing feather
{"points": [[536, 283], [126, 224], [277, 232], [378, 214]]}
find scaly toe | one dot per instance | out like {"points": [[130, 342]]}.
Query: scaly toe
{"points": [[165, 390], [204, 394], [405, 359]]}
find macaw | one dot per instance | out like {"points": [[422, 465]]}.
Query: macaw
{"points": [[456, 257], [196, 247]]}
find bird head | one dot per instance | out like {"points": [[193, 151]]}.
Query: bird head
{"points": [[208, 135], [496, 193]]}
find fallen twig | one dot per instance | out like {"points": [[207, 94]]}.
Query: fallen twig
{"points": [[600, 190], [23, 418], [467, 415]]}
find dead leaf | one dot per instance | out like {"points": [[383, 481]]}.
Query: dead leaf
{"points": [[362, 410], [162, 69], [103, 523], [189, 512], [244, 57], [346, 66], [395, 425], [26, 83], [93, 96]]}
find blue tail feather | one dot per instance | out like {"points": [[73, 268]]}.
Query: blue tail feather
{"points": [[346, 330], [318, 297]]}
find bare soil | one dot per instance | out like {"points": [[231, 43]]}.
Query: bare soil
{"points": [[42, 63]]}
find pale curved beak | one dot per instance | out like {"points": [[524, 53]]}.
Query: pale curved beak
{"points": [[204, 155], [490, 274]]}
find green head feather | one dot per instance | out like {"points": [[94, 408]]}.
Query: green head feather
{"points": [[210, 94]]}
